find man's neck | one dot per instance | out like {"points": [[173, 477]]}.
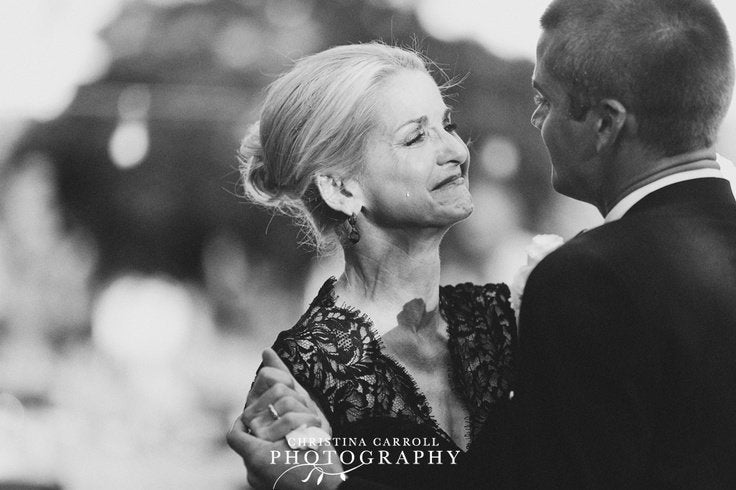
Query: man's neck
{"points": [[634, 175]]}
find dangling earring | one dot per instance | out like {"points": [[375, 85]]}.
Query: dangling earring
{"points": [[354, 235]]}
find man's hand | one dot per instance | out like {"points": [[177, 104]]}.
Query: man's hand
{"points": [[277, 404]]}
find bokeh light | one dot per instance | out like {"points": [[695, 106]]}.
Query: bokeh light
{"points": [[144, 320], [137, 289]]}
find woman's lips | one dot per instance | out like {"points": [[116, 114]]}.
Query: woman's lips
{"points": [[452, 180]]}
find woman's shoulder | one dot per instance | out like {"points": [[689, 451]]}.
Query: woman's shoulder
{"points": [[327, 334], [324, 315], [482, 332], [480, 295], [483, 309]]}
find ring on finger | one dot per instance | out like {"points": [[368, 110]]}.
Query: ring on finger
{"points": [[274, 412]]}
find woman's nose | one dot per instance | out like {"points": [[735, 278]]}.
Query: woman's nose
{"points": [[454, 149]]}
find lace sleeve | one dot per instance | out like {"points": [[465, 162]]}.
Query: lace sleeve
{"points": [[483, 327], [298, 355], [497, 338], [497, 301]]}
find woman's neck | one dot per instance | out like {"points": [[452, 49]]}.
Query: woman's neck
{"points": [[393, 279]]}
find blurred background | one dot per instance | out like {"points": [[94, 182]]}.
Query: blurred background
{"points": [[137, 288]]}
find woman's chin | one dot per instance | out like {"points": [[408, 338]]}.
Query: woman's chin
{"points": [[458, 213], [466, 213], [464, 206]]}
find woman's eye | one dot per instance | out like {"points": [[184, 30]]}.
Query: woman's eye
{"points": [[416, 139], [450, 127]]}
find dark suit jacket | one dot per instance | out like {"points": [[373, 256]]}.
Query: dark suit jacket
{"points": [[627, 359], [628, 350]]}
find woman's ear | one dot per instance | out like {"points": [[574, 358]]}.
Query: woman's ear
{"points": [[340, 195]]}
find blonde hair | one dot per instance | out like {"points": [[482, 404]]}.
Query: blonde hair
{"points": [[314, 120]]}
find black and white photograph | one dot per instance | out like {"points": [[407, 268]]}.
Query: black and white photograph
{"points": [[367, 244]]}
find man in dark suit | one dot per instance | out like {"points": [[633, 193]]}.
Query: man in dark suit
{"points": [[627, 358], [628, 332]]}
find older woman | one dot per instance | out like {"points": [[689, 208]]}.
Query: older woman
{"points": [[357, 143]]}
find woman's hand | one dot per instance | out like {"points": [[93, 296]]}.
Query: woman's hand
{"points": [[275, 465], [277, 404]]}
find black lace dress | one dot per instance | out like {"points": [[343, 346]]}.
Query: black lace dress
{"points": [[373, 404]]}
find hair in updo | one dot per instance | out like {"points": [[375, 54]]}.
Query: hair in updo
{"points": [[314, 120]]}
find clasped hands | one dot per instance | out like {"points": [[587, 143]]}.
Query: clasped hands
{"points": [[276, 406]]}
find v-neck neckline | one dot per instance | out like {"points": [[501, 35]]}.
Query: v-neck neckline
{"points": [[424, 408]]}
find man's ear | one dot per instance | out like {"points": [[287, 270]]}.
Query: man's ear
{"points": [[341, 195], [610, 123]]}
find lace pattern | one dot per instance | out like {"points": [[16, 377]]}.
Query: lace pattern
{"points": [[335, 354]]}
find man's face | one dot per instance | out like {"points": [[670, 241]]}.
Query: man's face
{"points": [[570, 143]]}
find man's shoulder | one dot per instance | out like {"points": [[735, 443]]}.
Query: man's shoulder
{"points": [[590, 245], [615, 239], [589, 260], [643, 250]]}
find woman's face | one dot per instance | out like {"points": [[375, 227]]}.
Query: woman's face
{"points": [[415, 173]]}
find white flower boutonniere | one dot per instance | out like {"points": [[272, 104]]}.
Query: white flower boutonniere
{"points": [[541, 246]]}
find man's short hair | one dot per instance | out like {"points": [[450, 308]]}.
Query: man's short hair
{"points": [[669, 62]]}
